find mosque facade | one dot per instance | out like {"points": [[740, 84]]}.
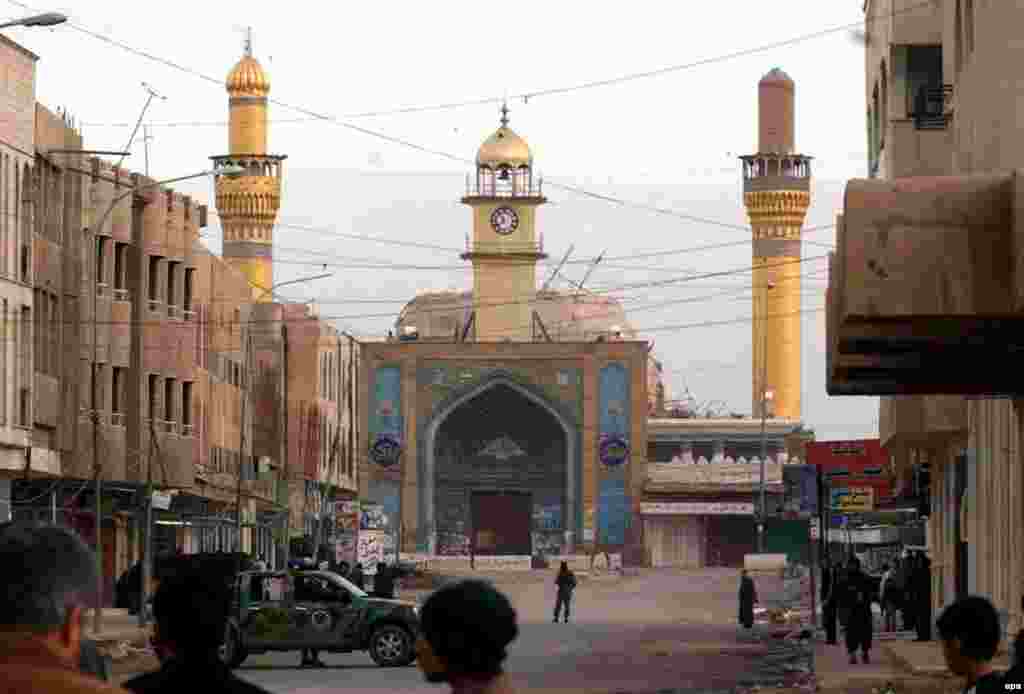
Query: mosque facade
{"points": [[509, 420]]}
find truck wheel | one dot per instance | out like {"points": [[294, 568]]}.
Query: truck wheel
{"points": [[391, 646], [232, 652]]}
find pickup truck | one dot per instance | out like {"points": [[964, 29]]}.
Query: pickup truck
{"points": [[293, 610]]}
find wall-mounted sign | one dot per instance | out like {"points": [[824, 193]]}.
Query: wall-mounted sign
{"points": [[613, 450], [386, 450], [373, 517], [856, 499], [697, 508]]}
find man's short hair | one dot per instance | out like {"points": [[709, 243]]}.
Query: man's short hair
{"points": [[47, 570], [470, 624], [191, 611], [974, 622]]}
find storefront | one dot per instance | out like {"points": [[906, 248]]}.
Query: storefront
{"points": [[697, 533]]}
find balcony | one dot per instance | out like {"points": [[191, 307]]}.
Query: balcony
{"points": [[102, 289], [122, 295], [513, 187], [173, 312], [188, 315], [154, 305], [117, 419], [526, 250], [188, 430], [931, 108], [169, 427]]}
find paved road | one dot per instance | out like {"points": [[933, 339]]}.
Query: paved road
{"points": [[656, 631]]}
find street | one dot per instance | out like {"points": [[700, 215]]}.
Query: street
{"points": [[658, 630]]}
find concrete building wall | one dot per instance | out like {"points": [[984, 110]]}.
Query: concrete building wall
{"points": [[17, 152], [979, 55]]}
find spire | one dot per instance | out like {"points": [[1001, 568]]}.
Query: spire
{"points": [[248, 41], [504, 114]]}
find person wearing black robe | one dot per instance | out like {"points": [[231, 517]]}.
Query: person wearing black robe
{"points": [[855, 598], [922, 580], [357, 576], [566, 582], [748, 596], [828, 602], [384, 582]]}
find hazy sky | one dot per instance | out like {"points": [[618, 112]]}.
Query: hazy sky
{"points": [[668, 141]]}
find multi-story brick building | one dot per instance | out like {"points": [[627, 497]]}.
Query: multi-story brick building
{"points": [[926, 279], [17, 152]]}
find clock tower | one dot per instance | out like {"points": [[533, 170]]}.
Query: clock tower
{"points": [[505, 247]]}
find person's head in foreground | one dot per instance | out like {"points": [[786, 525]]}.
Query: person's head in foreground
{"points": [[970, 633], [191, 614], [49, 578], [465, 630]]}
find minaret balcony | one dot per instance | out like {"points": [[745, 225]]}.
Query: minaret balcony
{"points": [[264, 165], [767, 172], [492, 187]]}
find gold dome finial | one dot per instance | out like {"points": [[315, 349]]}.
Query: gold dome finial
{"points": [[247, 77], [504, 148]]}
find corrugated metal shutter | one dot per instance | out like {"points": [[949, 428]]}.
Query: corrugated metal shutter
{"points": [[675, 541]]}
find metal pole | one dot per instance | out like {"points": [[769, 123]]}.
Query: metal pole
{"points": [[243, 392], [53, 507], [97, 617], [147, 538]]}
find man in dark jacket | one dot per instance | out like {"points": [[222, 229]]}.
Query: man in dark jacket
{"points": [[1015, 675], [191, 615], [357, 576], [748, 596], [384, 582], [566, 583], [922, 581], [855, 597]]}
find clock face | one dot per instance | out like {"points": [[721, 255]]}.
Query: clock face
{"points": [[504, 220]]}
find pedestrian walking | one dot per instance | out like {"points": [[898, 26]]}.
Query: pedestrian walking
{"points": [[855, 598], [566, 583], [191, 613], [465, 631], [829, 576], [384, 582], [923, 598], [748, 597], [42, 606], [970, 634], [905, 587], [357, 577], [887, 597]]}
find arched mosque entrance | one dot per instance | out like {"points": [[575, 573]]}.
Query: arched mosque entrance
{"points": [[499, 477]]}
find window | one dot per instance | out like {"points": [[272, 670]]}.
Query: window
{"points": [[563, 378], [101, 257], [120, 266], [116, 390], [189, 280], [26, 265], [154, 396], [25, 380], [54, 332], [186, 406], [154, 278], [169, 414], [3, 360], [172, 278]]}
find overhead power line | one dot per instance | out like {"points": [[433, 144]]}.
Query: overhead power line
{"points": [[526, 96]]}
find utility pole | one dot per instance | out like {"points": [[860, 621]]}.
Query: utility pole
{"points": [[146, 137], [147, 547], [244, 395], [762, 515]]}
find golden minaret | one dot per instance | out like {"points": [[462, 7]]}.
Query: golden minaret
{"points": [[776, 192], [505, 247], [248, 204]]}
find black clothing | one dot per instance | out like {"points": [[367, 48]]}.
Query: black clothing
{"points": [[748, 596], [182, 675], [566, 583], [830, 610], [1015, 674], [826, 584], [384, 584], [923, 601], [989, 684], [92, 662], [357, 577], [855, 597]]}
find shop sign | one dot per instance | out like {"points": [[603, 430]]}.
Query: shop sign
{"points": [[697, 508], [857, 499]]}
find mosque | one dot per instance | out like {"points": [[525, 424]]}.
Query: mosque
{"points": [[508, 420]]}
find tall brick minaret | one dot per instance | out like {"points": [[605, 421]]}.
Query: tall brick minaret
{"points": [[248, 204], [776, 193]]}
